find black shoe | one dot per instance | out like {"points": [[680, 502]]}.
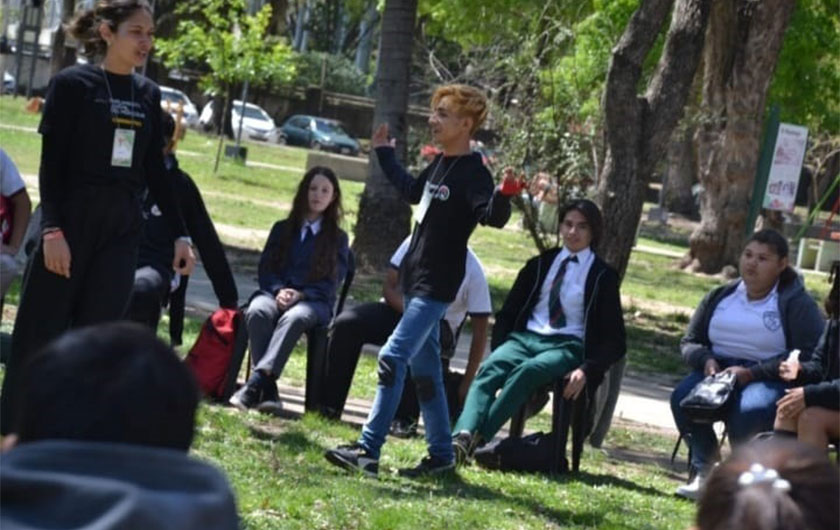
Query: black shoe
{"points": [[430, 465], [403, 428], [270, 392], [353, 457], [250, 395], [463, 443]]}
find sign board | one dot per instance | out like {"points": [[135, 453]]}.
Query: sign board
{"points": [[786, 165]]}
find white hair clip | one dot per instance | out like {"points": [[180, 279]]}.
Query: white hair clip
{"points": [[758, 474]]}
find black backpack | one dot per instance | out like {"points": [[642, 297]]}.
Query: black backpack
{"points": [[530, 453]]}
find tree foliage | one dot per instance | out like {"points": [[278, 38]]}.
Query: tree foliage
{"points": [[806, 83], [231, 45]]}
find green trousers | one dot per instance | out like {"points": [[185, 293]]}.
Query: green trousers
{"points": [[525, 362]]}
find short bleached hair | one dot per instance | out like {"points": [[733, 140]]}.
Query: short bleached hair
{"points": [[468, 102]]}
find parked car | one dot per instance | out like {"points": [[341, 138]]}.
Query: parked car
{"points": [[172, 98], [319, 133], [257, 124]]}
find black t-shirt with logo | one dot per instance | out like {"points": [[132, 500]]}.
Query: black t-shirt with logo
{"points": [[463, 195], [81, 113]]}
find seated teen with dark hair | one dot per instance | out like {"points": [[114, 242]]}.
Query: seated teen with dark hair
{"points": [[154, 276], [811, 410], [301, 266], [104, 422], [373, 322], [562, 318], [745, 327]]}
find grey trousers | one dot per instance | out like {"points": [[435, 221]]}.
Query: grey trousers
{"points": [[273, 333]]}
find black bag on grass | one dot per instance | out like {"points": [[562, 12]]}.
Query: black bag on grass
{"points": [[530, 453]]}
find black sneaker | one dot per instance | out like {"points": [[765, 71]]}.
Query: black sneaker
{"points": [[430, 465], [463, 443], [250, 395], [403, 428], [353, 457]]}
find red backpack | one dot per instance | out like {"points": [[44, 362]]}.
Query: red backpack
{"points": [[217, 354]]}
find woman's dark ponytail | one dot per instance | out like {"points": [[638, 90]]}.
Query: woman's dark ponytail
{"points": [[85, 26]]}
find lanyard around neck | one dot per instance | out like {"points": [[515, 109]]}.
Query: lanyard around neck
{"points": [[111, 97]]}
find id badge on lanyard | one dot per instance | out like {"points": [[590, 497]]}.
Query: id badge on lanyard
{"points": [[425, 202], [123, 149]]}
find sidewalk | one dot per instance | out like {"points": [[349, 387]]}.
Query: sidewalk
{"points": [[643, 400]]}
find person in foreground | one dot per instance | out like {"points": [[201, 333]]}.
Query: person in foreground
{"points": [[301, 266], [745, 327], [105, 419], [455, 193], [100, 148], [772, 485], [811, 410], [562, 318]]}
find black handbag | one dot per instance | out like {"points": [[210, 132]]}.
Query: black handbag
{"points": [[710, 399]]}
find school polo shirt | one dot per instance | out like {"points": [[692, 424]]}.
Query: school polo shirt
{"points": [[473, 296], [747, 329], [571, 295]]}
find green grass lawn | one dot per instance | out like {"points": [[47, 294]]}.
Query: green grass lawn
{"points": [[276, 465]]}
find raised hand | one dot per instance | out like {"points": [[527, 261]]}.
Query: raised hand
{"points": [[380, 137]]}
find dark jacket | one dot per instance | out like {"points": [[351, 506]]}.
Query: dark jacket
{"points": [[294, 272], [157, 244], [604, 339], [802, 324], [72, 484], [820, 376]]}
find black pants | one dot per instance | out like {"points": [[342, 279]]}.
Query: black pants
{"points": [[150, 293], [370, 323], [102, 228]]}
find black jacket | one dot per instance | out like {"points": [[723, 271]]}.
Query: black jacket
{"points": [[802, 324], [820, 376], [604, 339], [157, 244]]}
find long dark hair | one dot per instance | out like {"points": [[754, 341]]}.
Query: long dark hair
{"points": [[326, 242], [85, 27]]}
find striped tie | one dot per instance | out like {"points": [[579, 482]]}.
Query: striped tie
{"points": [[556, 317]]}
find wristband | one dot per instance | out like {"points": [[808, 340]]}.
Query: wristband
{"points": [[53, 234], [187, 239]]}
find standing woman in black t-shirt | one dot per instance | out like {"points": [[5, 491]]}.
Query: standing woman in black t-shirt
{"points": [[102, 145]]}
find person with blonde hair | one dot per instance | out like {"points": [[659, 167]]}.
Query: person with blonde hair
{"points": [[454, 193]]}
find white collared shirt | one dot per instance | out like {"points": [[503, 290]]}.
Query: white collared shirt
{"points": [[314, 225], [741, 328], [571, 295]]}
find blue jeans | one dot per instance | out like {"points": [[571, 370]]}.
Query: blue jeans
{"points": [[752, 412], [415, 342]]}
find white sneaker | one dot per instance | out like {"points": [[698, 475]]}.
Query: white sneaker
{"points": [[693, 489]]}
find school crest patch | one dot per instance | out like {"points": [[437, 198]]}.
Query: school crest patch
{"points": [[772, 321], [443, 192]]}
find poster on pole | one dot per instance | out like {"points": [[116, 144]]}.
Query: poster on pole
{"points": [[785, 168]]}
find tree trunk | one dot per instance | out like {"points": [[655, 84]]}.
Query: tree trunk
{"points": [[637, 130], [638, 127], [383, 219], [277, 25], [745, 38], [680, 175], [63, 56]]}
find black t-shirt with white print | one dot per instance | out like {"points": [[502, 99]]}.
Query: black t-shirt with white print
{"points": [[84, 105], [463, 195]]}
